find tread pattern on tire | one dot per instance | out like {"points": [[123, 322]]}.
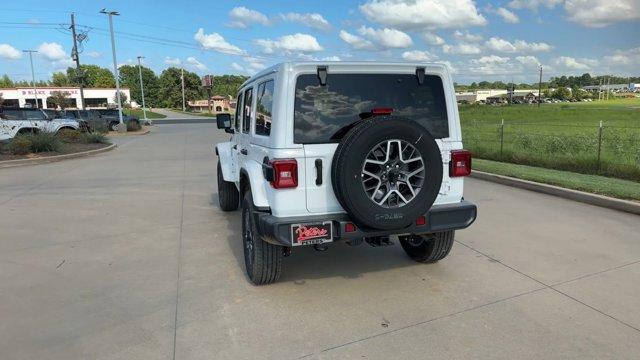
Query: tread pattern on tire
{"points": [[267, 262], [228, 194], [436, 247]]}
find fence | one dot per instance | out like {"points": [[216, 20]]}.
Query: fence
{"points": [[603, 150]]}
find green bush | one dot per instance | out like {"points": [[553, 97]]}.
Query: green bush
{"points": [[100, 128], [44, 142], [133, 126], [69, 136], [94, 138], [20, 145]]}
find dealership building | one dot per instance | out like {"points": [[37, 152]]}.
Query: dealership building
{"points": [[94, 98]]}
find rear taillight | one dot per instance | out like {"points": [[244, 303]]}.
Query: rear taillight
{"points": [[460, 164], [285, 174], [381, 111]]}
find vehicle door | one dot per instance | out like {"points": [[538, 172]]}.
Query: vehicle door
{"points": [[243, 136], [235, 136], [38, 119]]}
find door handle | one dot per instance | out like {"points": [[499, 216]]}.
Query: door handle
{"points": [[244, 152], [318, 164]]}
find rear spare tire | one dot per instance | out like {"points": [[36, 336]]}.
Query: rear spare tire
{"points": [[386, 172]]}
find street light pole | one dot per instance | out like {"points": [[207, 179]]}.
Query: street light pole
{"points": [[33, 76], [540, 87], [144, 109], [121, 126], [184, 108]]}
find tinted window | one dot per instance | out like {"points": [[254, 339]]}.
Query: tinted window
{"points": [[264, 105], [238, 112], [12, 114], [246, 114], [35, 115], [325, 113]]}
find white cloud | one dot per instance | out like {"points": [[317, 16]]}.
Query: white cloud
{"points": [[502, 45], [254, 63], [629, 57], [196, 64], [386, 38], [528, 61], [508, 16], [355, 41], [417, 55], [331, 58], [461, 49], [52, 51], [291, 43], [570, 63], [450, 66], [534, 4], [172, 61], [236, 66], [467, 36], [9, 52], [215, 41], [313, 20], [427, 14], [94, 54], [599, 13], [433, 39], [491, 59], [242, 18]]}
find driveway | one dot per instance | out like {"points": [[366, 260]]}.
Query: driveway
{"points": [[126, 256]]}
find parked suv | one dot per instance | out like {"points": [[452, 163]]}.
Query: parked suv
{"points": [[111, 119], [14, 121], [351, 152]]}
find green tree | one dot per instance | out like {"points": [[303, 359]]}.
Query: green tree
{"points": [[123, 98], [60, 79], [93, 75], [130, 78], [170, 93], [59, 98], [5, 82], [561, 93], [227, 84]]}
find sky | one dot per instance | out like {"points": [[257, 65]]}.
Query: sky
{"points": [[479, 40]]}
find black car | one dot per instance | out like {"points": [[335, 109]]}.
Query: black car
{"points": [[97, 119], [111, 118]]}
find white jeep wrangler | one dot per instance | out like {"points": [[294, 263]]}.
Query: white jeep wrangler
{"points": [[344, 151]]}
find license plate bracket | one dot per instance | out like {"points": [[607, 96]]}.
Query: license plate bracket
{"points": [[311, 233]]}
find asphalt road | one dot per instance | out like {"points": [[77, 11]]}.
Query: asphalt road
{"points": [[126, 256]]}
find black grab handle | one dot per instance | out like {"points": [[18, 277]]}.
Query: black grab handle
{"points": [[318, 171]]}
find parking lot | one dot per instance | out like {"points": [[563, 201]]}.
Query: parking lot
{"points": [[126, 256]]}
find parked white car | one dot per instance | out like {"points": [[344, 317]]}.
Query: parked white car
{"points": [[344, 151], [14, 121]]}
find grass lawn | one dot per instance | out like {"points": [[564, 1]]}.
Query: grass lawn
{"points": [[564, 136], [207, 114], [140, 114], [623, 189]]}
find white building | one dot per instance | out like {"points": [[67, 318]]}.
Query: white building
{"points": [[482, 95], [94, 98]]}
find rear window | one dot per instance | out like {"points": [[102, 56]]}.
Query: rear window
{"points": [[324, 114]]}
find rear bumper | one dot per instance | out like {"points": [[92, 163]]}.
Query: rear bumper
{"points": [[457, 216]]}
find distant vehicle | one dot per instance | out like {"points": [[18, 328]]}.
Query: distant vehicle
{"points": [[111, 118], [15, 121]]}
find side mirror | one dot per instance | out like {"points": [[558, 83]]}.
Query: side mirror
{"points": [[223, 121]]}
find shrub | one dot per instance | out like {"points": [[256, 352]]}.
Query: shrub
{"points": [[69, 136], [94, 138], [20, 145], [100, 128], [44, 141], [133, 126]]}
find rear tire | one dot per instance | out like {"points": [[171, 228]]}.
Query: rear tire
{"points": [[113, 126], [228, 195], [263, 261], [428, 248]]}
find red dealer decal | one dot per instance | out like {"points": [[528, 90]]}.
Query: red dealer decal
{"points": [[306, 233]]}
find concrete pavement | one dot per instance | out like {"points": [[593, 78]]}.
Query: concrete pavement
{"points": [[126, 256]]}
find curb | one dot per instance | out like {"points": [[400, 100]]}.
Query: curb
{"points": [[127, 134], [48, 159], [575, 195]]}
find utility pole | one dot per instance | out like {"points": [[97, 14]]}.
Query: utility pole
{"points": [[76, 57], [540, 87], [184, 108], [122, 127], [144, 109], [33, 76]]}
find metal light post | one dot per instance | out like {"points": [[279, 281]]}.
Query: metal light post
{"points": [[122, 127], [33, 76], [144, 109], [184, 108]]}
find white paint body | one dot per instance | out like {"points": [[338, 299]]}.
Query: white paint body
{"points": [[308, 198], [10, 128]]}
